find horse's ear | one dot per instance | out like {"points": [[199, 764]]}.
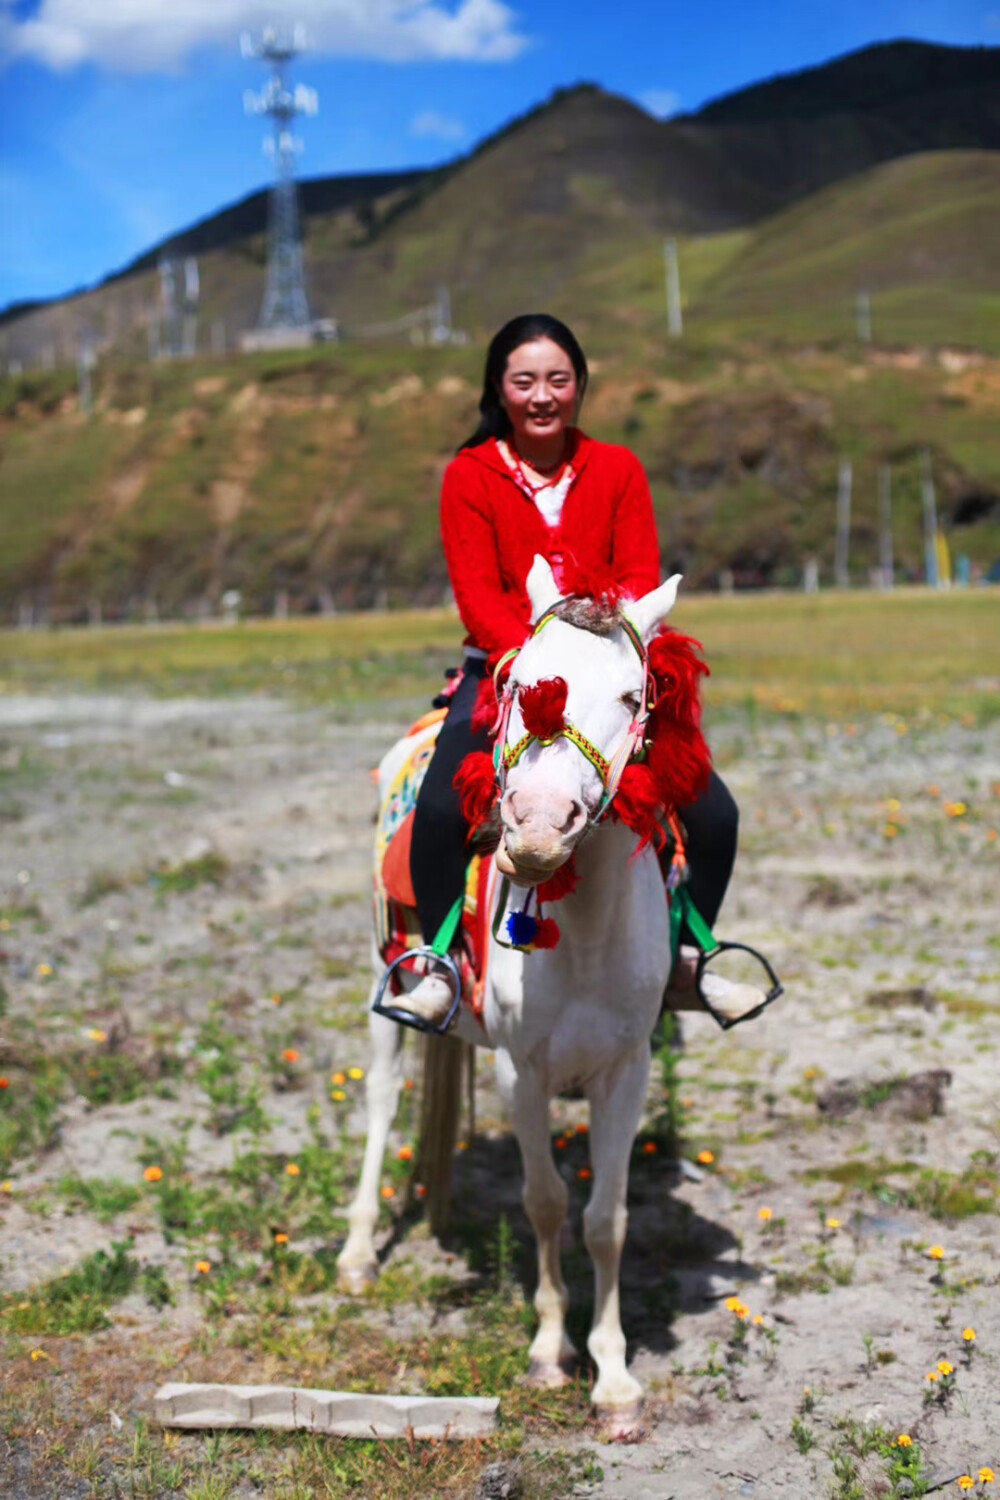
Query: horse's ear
{"points": [[542, 588], [647, 613]]}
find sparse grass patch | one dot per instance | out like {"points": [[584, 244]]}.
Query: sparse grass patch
{"points": [[105, 1198], [77, 1301]]}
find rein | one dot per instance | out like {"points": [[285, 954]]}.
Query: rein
{"points": [[632, 748]]}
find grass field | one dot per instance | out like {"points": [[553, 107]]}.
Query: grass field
{"points": [[831, 654], [184, 924]]}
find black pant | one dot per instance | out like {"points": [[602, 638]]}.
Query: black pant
{"points": [[437, 854]]}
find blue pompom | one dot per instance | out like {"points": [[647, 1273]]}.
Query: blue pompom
{"points": [[521, 929]]}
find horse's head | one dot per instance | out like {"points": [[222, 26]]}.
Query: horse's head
{"points": [[578, 697]]}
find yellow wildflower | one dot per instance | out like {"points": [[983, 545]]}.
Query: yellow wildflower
{"points": [[965, 1482], [945, 1367], [38, 1354], [986, 1475], [95, 1034], [765, 1214], [706, 1158], [6, 1186], [338, 1096], [355, 1073], [758, 1320], [969, 1335], [833, 1223], [931, 1375], [904, 1440], [936, 1252], [955, 809], [43, 971]]}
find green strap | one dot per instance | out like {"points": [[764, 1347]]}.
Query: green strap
{"points": [[448, 928], [683, 909]]}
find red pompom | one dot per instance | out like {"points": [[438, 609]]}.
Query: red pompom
{"points": [[547, 934], [476, 784], [639, 805], [562, 883], [484, 714], [543, 707]]}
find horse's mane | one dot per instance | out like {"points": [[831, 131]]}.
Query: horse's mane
{"points": [[678, 761]]}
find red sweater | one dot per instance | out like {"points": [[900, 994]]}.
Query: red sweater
{"points": [[492, 531]]}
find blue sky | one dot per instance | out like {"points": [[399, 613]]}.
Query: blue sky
{"points": [[122, 120]]}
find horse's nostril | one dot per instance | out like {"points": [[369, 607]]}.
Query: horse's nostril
{"points": [[518, 815], [577, 814]]}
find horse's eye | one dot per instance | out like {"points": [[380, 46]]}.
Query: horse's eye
{"points": [[633, 702]]}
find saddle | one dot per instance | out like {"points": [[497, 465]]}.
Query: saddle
{"points": [[397, 926]]}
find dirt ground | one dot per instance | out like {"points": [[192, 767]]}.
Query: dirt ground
{"points": [[167, 860]]}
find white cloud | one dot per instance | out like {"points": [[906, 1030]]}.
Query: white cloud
{"points": [[443, 127], [660, 102], [145, 36]]}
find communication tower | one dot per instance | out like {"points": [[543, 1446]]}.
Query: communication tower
{"points": [[285, 303]]}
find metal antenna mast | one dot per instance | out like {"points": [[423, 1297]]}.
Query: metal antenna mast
{"points": [[285, 304]]}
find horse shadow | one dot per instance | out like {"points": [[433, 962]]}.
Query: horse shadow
{"points": [[675, 1259]]}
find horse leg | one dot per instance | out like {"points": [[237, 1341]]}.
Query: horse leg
{"points": [[357, 1264], [553, 1358], [616, 1102]]}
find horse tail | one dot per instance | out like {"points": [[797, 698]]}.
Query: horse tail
{"points": [[445, 1057]]}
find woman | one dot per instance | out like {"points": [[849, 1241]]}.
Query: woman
{"points": [[529, 481]]}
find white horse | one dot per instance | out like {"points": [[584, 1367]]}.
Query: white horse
{"points": [[579, 1015]]}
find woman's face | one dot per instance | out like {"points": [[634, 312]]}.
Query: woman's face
{"points": [[539, 390]]}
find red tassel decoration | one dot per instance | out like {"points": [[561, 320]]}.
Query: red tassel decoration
{"points": [[588, 583], [563, 883], [476, 784], [639, 806], [678, 669], [484, 714], [547, 934], [543, 707]]}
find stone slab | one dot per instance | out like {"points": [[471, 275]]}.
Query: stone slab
{"points": [[335, 1413]]}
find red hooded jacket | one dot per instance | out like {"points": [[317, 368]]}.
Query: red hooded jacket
{"points": [[492, 530]]}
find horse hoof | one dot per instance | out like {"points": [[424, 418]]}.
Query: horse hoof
{"points": [[355, 1280], [546, 1375], [620, 1424]]}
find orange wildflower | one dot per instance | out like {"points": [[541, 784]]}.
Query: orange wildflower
{"points": [[153, 1174], [4, 1083], [419, 1190], [649, 1148], [281, 1238], [293, 1169], [584, 1174], [339, 1079], [388, 1191], [203, 1267], [290, 1055], [405, 1153], [706, 1158]]}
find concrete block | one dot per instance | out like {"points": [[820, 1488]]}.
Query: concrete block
{"points": [[337, 1413]]}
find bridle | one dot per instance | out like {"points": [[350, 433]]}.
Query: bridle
{"points": [[632, 748]]}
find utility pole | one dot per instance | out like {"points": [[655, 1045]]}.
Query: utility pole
{"points": [[86, 359], [930, 523], [841, 572], [863, 317], [675, 319], [886, 564], [285, 304]]}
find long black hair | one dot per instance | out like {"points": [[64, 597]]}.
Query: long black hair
{"points": [[493, 420]]}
